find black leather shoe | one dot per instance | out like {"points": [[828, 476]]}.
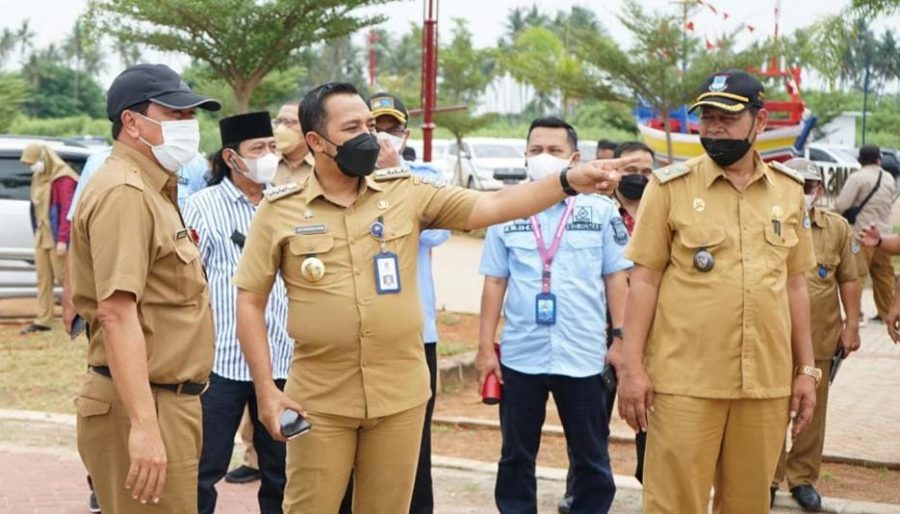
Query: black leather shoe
{"points": [[807, 497], [93, 506], [30, 329], [564, 505], [242, 475], [772, 492]]}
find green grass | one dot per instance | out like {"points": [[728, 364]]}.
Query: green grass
{"points": [[40, 372], [450, 348]]}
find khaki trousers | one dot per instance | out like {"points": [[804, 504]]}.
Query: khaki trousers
{"points": [[881, 271], [382, 453], [246, 432], [102, 429], [801, 465], [49, 267], [694, 444]]}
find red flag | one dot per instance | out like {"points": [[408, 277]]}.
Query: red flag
{"points": [[689, 26], [713, 9], [751, 28], [725, 15], [699, 2], [709, 46]]}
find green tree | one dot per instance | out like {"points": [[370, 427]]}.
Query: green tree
{"points": [[241, 41], [876, 6], [50, 92], [651, 70], [13, 91]]}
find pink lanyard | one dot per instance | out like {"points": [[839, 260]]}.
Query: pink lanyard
{"points": [[547, 254]]}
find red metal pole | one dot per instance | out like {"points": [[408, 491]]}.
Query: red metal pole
{"points": [[429, 75]]}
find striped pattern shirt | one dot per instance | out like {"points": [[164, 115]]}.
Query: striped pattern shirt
{"points": [[220, 214]]}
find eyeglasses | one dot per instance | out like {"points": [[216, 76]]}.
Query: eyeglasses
{"points": [[286, 122]]}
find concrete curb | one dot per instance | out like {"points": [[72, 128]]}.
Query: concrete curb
{"points": [[462, 367], [784, 500]]}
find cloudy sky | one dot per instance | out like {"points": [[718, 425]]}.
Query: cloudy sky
{"points": [[52, 19]]}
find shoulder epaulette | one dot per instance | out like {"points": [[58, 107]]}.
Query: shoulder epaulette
{"points": [[671, 172], [133, 178], [390, 174], [777, 166], [278, 192]]}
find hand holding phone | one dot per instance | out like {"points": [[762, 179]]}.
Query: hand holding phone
{"points": [[293, 424]]}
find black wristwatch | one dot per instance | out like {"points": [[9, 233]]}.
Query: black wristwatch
{"points": [[564, 182], [617, 333]]}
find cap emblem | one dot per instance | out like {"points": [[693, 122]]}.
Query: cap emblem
{"points": [[384, 102], [719, 84]]}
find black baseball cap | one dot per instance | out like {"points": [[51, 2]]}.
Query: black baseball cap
{"points": [[385, 104], [732, 91], [157, 83]]}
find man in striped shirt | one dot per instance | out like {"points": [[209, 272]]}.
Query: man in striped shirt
{"points": [[221, 215]]}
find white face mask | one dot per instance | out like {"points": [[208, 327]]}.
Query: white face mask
{"points": [[181, 142], [261, 170], [396, 142], [544, 165], [37, 167], [810, 201]]}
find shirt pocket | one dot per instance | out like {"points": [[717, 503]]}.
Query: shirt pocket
{"points": [[581, 254], [778, 246], [397, 239], [190, 281], [830, 264], [303, 247], [694, 238]]}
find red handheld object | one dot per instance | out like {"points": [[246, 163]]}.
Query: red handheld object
{"points": [[490, 392]]}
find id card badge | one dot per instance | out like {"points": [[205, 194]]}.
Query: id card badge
{"points": [[387, 273], [545, 309]]}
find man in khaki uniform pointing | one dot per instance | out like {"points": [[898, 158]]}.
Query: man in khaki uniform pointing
{"points": [[717, 352], [138, 282], [346, 243]]}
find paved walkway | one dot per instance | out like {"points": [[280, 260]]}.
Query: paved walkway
{"points": [[864, 405]]}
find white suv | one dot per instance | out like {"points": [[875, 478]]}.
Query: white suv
{"points": [[17, 278], [488, 163]]}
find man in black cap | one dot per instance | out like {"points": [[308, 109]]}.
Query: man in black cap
{"points": [[221, 215], [139, 285], [718, 355]]}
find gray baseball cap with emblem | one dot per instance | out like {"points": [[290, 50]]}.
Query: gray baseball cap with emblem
{"points": [[805, 168], [156, 83]]}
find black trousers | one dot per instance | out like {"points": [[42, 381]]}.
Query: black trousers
{"points": [[223, 406], [423, 489]]}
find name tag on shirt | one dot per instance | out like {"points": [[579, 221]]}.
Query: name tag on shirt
{"points": [[387, 273]]}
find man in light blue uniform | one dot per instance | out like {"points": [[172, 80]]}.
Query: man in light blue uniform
{"points": [[221, 214], [558, 270], [191, 178], [391, 118]]}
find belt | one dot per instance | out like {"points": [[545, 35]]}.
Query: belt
{"points": [[189, 388]]}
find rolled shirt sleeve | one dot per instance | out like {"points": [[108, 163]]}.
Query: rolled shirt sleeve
{"points": [[494, 254]]}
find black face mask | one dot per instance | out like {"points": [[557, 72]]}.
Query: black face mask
{"points": [[357, 156], [726, 152], [632, 186]]}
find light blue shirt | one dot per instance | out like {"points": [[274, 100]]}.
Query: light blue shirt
{"points": [[592, 247], [216, 213], [191, 178], [428, 239]]}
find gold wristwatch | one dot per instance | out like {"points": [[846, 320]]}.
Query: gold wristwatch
{"points": [[810, 371]]}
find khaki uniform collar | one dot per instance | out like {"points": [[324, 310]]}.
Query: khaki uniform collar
{"points": [[314, 187], [711, 171], [817, 217], [152, 172]]}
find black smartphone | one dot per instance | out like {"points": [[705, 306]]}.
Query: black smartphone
{"points": [[293, 424], [609, 378], [77, 326], [238, 239]]}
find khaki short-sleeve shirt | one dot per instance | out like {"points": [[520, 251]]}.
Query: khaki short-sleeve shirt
{"points": [[285, 174], [128, 236], [725, 332], [838, 257], [357, 353]]}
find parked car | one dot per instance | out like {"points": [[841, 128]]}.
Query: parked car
{"points": [[836, 163], [17, 276], [489, 163], [890, 162], [440, 159]]}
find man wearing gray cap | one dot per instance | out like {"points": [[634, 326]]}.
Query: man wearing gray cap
{"points": [[835, 282], [138, 282]]}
